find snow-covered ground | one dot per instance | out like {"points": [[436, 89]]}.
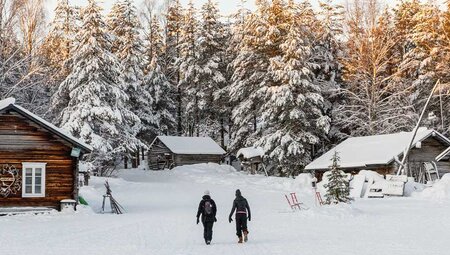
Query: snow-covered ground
{"points": [[161, 208]]}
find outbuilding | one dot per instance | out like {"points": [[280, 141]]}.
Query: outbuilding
{"points": [[170, 151], [251, 159], [38, 161], [383, 153]]}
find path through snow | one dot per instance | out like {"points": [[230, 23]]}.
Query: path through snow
{"points": [[160, 220]]}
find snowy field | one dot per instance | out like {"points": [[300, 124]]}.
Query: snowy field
{"points": [[161, 208]]}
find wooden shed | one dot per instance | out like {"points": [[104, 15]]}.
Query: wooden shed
{"points": [[38, 161], [170, 151], [382, 153], [251, 159]]}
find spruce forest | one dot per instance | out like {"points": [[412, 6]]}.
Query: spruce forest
{"points": [[287, 76]]}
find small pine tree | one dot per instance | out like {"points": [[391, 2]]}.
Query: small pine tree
{"points": [[338, 187]]}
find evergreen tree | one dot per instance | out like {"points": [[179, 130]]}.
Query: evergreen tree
{"points": [[59, 42], [234, 34], [338, 187], [327, 51], [97, 109], [124, 27], [157, 114], [281, 86], [189, 70], [211, 73], [249, 70], [154, 41], [172, 31]]}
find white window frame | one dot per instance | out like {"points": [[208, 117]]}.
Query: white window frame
{"points": [[33, 165]]}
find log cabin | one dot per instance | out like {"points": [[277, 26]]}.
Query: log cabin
{"points": [[171, 151], [38, 161], [382, 153]]}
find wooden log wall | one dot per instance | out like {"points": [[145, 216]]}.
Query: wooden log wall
{"points": [[190, 159], [429, 150], [21, 140], [157, 154]]}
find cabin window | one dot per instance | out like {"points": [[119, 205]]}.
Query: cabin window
{"points": [[33, 179]]}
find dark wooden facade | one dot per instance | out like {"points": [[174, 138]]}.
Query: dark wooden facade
{"points": [[161, 157], [28, 140]]}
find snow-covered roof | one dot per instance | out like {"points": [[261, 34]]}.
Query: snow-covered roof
{"points": [[444, 155], [191, 145], [250, 152], [10, 103], [361, 152]]}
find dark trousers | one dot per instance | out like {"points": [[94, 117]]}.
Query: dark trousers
{"points": [[207, 230], [241, 223]]}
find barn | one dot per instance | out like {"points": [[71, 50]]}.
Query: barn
{"points": [[170, 151], [38, 161], [382, 153]]}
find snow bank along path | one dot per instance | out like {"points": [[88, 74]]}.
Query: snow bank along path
{"points": [[161, 209]]}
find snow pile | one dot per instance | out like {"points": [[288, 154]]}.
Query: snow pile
{"points": [[371, 175], [411, 187], [250, 152], [215, 174], [439, 191], [361, 182], [7, 102]]}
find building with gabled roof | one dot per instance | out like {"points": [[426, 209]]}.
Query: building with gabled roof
{"points": [[381, 153], [38, 161], [171, 151]]}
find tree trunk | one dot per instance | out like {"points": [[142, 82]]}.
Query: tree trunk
{"points": [[138, 159], [179, 119], [133, 160], [222, 133], [125, 162]]}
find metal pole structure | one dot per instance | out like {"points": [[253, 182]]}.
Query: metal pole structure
{"points": [[442, 109], [402, 165]]}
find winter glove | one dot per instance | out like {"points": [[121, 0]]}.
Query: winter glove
{"points": [[249, 218], [198, 220], [230, 219], [215, 219]]}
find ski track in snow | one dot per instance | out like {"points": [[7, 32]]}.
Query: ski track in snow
{"points": [[160, 219]]}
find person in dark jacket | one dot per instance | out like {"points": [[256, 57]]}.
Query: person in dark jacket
{"points": [[240, 205], [207, 209]]}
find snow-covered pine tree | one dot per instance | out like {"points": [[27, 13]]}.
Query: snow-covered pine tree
{"points": [[327, 51], [174, 19], [60, 40], [274, 80], [292, 116], [338, 187], [249, 71], [124, 27], [211, 73], [158, 115], [188, 85], [233, 36], [97, 103], [154, 41]]}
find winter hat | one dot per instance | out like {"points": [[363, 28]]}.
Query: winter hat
{"points": [[206, 193], [238, 193]]}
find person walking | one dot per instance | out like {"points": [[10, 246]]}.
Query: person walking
{"points": [[207, 209], [240, 205]]}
